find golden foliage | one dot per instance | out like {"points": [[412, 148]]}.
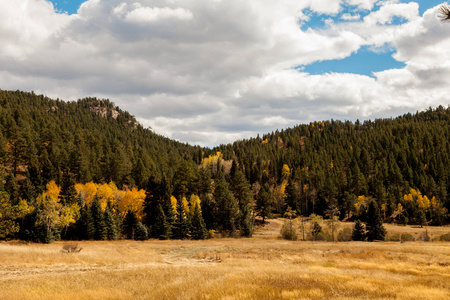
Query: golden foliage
{"points": [[194, 200]]}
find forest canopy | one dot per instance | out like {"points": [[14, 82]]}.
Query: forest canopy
{"points": [[88, 170]]}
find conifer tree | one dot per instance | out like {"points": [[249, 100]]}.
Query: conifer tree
{"points": [[208, 212], [161, 229], [227, 208], [140, 232], [374, 224], [198, 225], [129, 224], [85, 225], [358, 232], [99, 221], [264, 202], [111, 230], [242, 192], [182, 223]]}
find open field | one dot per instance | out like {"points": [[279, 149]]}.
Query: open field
{"points": [[263, 267]]}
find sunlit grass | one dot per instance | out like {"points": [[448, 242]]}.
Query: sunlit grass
{"points": [[257, 268]]}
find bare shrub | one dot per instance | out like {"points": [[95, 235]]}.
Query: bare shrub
{"points": [[393, 237], [71, 248]]}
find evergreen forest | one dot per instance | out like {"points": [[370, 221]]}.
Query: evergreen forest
{"points": [[88, 170]]}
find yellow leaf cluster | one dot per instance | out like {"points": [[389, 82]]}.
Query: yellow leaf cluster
{"points": [[194, 200], [123, 200], [174, 203]]}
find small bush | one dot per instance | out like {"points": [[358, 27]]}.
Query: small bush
{"points": [[406, 237], [211, 234], [394, 237], [345, 235], [288, 231], [445, 237]]}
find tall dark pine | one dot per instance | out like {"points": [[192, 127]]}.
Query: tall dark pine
{"points": [[129, 224], [242, 192], [161, 228], [182, 225], [292, 197], [111, 229], [68, 193], [99, 221], [227, 208], [198, 225], [358, 233], [85, 225], [374, 224], [264, 202]]}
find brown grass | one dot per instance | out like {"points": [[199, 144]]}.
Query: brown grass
{"points": [[263, 267]]}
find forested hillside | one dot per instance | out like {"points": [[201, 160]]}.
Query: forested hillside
{"points": [[88, 170], [402, 163]]}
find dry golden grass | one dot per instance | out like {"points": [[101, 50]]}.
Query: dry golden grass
{"points": [[263, 267]]}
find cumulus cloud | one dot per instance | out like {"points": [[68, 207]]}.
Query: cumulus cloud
{"points": [[211, 72]]}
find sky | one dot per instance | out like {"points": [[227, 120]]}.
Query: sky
{"points": [[213, 72]]}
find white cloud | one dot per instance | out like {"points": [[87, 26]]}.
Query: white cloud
{"points": [[154, 14], [349, 17], [211, 72]]}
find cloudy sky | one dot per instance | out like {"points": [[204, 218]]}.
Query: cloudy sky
{"points": [[211, 72]]}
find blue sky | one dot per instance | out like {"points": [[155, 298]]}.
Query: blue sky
{"points": [[69, 6], [212, 72], [364, 61]]}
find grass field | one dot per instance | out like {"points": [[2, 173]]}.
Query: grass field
{"points": [[262, 267]]}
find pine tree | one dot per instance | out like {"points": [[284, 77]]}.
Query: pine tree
{"points": [[140, 232], [198, 225], [358, 233], [182, 224], [85, 225], [111, 230], [129, 224], [421, 218], [227, 208], [264, 202], [99, 222], [161, 228], [242, 192], [374, 224]]}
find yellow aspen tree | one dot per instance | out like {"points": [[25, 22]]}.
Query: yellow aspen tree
{"points": [[193, 201], [105, 194], [174, 204], [285, 171]]}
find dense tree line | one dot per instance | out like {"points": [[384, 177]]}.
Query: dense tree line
{"points": [[400, 163], [88, 170]]}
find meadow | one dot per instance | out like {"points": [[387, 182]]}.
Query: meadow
{"points": [[262, 267]]}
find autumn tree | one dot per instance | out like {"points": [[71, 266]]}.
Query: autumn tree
{"points": [[9, 215]]}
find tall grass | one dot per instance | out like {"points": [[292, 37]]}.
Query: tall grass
{"points": [[258, 268]]}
